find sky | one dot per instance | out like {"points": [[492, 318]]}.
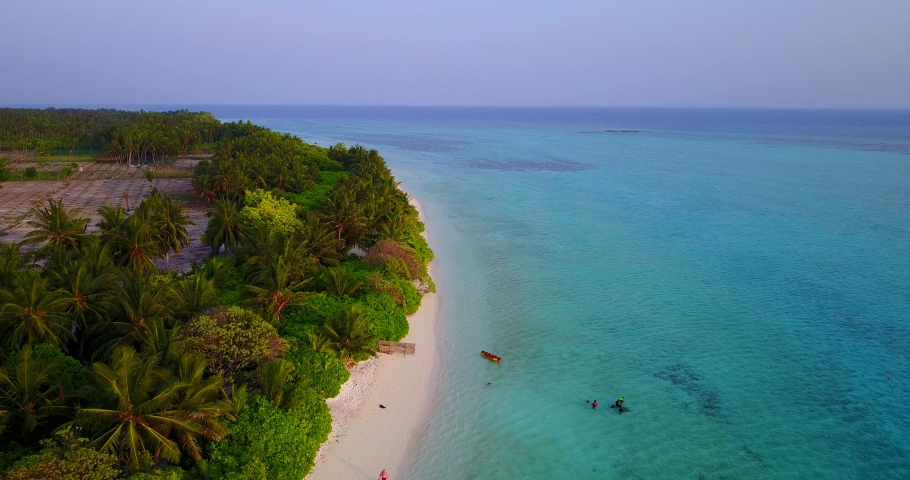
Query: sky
{"points": [[629, 53]]}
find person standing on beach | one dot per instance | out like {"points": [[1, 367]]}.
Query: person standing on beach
{"points": [[383, 475]]}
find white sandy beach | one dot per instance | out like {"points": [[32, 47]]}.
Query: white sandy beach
{"points": [[366, 439]]}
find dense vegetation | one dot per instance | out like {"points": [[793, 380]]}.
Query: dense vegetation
{"points": [[113, 368], [122, 135]]}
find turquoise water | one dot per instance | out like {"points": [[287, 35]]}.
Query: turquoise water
{"points": [[742, 278]]}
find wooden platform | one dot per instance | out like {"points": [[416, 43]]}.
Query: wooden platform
{"points": [[394, 347]]}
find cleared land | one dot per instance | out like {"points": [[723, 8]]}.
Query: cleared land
{"points": [[99, 184]]}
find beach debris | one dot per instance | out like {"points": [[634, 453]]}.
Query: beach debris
{"points": [[381, 406]]}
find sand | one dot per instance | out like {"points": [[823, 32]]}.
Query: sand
{"points": [[89, 193], [366, 439]]}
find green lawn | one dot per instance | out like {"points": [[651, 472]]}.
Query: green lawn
{"points": [[314, 198], [66, 158], [20, 176]]}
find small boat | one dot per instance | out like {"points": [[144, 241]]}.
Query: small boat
{"points": [[490, 356]]}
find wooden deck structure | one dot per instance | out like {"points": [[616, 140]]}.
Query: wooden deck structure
{"points": [[393, 347]]}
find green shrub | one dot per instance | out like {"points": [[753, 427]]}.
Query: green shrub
{"points": [[386, 319], [232, 340], [228, 297], [378, 283], [11, 452], [31, 173], [403, 260], [316, 196], [71, 374], [324, 373], [277, 214], [267, 442], [168, 473], [397, 267], [420, 245], [402, 292], [411, 298], [66, 457], [312, 313]]}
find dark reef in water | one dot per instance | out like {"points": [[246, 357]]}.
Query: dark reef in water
{"points": [[611, 131], [414, 142], [684, 377], [532, 166]]}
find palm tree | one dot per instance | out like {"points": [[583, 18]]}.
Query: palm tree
{"points": [[194, 294], [114, 149], [11, 262], [348, 335], [150, 176], [340, 281], [141, 247], [140, 301], [158, 341], [169, 224], [394, 227], [29, 393], [279, 384], [34, 314], [273, 287], [139, 409], [203, 402], [85, 294], [130, 144], [113, 228], [96, 256], [225, 177], [223, 229], [345, 216], [318, 241], [4, 173], [54, 226]]}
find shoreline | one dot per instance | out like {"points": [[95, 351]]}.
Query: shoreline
{"points": [[366, 439]]}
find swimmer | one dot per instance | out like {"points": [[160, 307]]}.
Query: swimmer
{"points": [[594, 405]]}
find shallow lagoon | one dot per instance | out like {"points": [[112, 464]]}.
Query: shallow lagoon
{"points": [[741, 277]]}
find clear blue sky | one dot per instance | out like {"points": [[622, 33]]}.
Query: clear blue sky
{"points": [[710, 53]]}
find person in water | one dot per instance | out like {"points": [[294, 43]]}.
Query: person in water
{"points": [[594, 405]]}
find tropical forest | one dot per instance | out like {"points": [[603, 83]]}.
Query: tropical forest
{"points": [[124, 356]]}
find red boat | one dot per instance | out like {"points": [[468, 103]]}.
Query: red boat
{"points": [[490, 356]]}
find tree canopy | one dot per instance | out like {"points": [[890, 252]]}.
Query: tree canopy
{"points": [[111, 366]]}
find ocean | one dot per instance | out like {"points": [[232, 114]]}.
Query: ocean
{"points": [[741, 277]]}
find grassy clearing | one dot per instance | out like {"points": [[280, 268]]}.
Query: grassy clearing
{"points": [[65, 158], [42, 175], [315, 197]]}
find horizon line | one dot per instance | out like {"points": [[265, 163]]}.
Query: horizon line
{"points": [[100, 105]]}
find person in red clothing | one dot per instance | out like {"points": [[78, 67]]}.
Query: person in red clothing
{"points": [[383, 475], [594, 405]]}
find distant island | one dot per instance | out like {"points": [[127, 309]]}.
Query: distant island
{"points": [[611, 131], [180, 295]]}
